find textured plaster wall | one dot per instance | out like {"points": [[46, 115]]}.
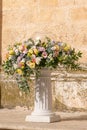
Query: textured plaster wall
{"points": [[65, 20], [0, 40], [70, 91]]}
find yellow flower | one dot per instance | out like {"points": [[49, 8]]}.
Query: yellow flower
{"points": [[19, 71], [11, 52], [35, 51], [28, 54], [45, 44], [18, 43], [67, 47], [31, 64], [30, 51], [57, 47], [22, 63], [22, 67]]}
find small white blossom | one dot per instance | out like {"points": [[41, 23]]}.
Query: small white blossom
{"points": [[23, 60], [38, 59], [14, 48], [50, 57], [10, 57], [53, 48], [33, 47], [15, 66], [16, 51], [30, 43], [36, 42], [38, 38]]}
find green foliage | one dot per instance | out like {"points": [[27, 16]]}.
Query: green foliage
{"points": [[27, 58]]}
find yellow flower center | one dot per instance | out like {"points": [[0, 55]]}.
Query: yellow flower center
{"points": [[19, 71]]}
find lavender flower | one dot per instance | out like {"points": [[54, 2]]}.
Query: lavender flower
{"points": [[60, 44], [20, 58], [52, 42]]}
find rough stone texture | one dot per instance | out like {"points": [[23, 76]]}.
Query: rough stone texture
{"points": [[48, 3], [66, 2], [64, 20], [70, 91], [80, 2], [79, 14], [12, 97]]}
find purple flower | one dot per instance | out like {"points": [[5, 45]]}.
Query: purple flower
{"points": [[52, 42], [41, 49], [60, 43], [20, 58]]}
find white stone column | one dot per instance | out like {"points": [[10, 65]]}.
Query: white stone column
{"points": [[43, 100]]}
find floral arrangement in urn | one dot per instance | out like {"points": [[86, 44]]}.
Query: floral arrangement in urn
{"points": [[25, 59]]}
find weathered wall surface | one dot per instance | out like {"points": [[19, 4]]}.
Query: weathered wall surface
{"points": [[12, 97], [66, 20], [69, 92], [0, 40]]}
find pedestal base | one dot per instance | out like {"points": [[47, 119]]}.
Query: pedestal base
{"points": [[49, 119], [43, 99]]}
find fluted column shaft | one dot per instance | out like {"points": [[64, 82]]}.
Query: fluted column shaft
{"points": [[43, 93]]}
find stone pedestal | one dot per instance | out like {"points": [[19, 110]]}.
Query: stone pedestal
{"points": [[43, 100]]}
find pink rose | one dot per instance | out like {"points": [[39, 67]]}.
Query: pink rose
{"points": [[44, 54]]}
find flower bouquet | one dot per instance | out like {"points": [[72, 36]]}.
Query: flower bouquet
{"points": [[29, 57]]}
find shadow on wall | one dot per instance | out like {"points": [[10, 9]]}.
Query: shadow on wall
{"points": [[59, 106], [12, 97], [0, 40]]}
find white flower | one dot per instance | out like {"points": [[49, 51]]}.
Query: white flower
{"points": [[14, 48], [53, 48], [33, 56], [38, 38], [38, 59], [30, 43], [36, 42], [15, 66], [23, 60], [10, 57], [16, 51], [50, 57], [33, 47]]}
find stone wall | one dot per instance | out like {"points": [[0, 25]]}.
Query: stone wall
{"points": [[12, 97], [69, 90], [0, 40], [65, 19]]}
